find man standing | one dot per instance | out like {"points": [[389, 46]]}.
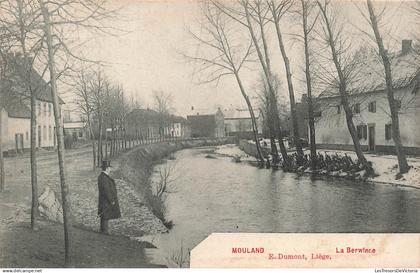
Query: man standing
{"points": [[108, 207]]}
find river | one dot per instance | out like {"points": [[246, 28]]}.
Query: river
{"points": [[215, 194]]}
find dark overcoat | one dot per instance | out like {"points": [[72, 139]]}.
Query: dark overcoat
{"points": [[108, 206]]}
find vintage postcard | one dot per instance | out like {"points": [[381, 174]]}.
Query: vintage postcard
{"points": [[210, 133]]}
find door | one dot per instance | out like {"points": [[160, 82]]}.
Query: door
{"points": [[19, 143], [39, 136], [371, 138]]}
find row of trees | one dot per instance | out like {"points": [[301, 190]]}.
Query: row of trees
{"points": [[105, 107], [40, 33], [233, 33]]}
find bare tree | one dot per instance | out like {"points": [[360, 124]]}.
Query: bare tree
{"points": [[402, 160], [20, 22], [84, 102], [98, 86], [278, 9], [165, 183], [224, 55], [162, 102], [307, 9], [268, 112], [260, 11], [332, 36]]}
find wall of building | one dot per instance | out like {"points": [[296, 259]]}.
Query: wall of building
{"points": [[331, 127], [19, 126], [202, 125], [5, 134], [45, 121], [220, 124]]}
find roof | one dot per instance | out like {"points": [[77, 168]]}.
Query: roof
{"points": [[202, 112], [16, 108], [151, 116], [367, 74], [17, 83]]}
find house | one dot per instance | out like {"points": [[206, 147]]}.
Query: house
{"points": [[176, 127], [77, 129], [149, 124], [238, 122], [16, 115], [368, 99], [206, 123]]}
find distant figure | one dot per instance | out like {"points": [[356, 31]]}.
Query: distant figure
{"points": [[108, 207]]}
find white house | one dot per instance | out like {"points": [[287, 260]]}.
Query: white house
{"points": [[239, 122], [77, 129], [16, 116], [370, 107]]}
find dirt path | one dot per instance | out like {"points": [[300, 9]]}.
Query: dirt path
{"points": [[22, 247]]}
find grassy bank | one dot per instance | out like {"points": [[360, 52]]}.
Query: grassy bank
{"points": [[22, 247]]}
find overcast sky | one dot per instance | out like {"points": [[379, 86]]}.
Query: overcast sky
{"points": [[146, 57]]}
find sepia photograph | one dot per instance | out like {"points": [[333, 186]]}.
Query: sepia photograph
{"points": [[132, 130]]}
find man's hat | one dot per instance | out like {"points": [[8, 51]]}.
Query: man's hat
{"points": [[106, 164]]}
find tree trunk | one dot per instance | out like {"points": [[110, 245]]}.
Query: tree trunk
{"points": [[402, 160], [343, 94], [295, 128], [2, 181], [32, 92], [265, 64], [251, 111], [100, 144], [60, 138], [92, 138], [311, 118], [34, 175]]}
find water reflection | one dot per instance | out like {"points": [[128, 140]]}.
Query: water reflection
{"points": [[217, 195]]}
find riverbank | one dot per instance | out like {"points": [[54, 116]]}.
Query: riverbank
{"points": [[23, 247], [135, 168], [385, 166], [137, 218]]}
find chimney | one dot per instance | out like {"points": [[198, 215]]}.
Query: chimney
{"points": [[405, 46], [192, 108]]}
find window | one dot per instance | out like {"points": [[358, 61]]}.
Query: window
{"points": [[356, 108], [317, 114], [49, 132], [45, 109], [372, 107], [39, 108], [27, 135], [44, 132], [338, 109], [49, 109], [388, 131], [361, 131]]}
